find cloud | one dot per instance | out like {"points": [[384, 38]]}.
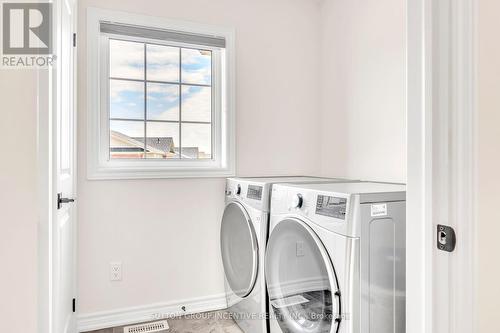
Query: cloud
{"points": [[196, 66], [163, 63], [197, 76], [168, 92], [129, 128], [126, 59], [162, 54], [119, 87], [126, 99], [163, 102], [163, 99], [196, 104], [197, 135]]}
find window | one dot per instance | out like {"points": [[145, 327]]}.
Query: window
{"points": [[160, 98], [160, 101]]}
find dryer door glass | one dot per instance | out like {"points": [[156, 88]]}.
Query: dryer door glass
{"points": [[239, 250], [301, 281]]}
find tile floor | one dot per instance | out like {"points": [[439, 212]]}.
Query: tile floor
{"points": [[210, 322]]}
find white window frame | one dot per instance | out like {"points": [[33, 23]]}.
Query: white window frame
{"points": [[99, 165]]}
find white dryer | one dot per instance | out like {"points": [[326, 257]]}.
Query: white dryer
{"points": [[244, 231], [335, 259]]}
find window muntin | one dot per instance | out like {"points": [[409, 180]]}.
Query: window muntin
{"points": [[166, 92]]}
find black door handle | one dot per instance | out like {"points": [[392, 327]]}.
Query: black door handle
{"points": [[61, 200]]}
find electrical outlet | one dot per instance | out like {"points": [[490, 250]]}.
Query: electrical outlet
{"points": [[115, 271]]}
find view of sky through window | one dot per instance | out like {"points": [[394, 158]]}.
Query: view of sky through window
{"points": [[160, 101]]}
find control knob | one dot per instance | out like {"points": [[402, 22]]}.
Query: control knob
{"points": [[298, 201]]}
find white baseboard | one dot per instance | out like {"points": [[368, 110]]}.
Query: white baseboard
{"points": [[144, 313]]}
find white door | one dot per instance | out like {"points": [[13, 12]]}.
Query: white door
{"points": [[301, 282], [64, 226], [240, 251]]}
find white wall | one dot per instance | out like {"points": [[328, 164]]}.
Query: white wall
{"points": [[363, 112], [488, 272], [166, 231], [18, 201]]}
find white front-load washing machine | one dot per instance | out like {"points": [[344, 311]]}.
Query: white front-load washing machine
{"points": [[244, 231], [335, 259]]}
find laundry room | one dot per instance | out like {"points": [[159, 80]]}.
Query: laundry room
{"points": [[308, 100], [236, 166]]}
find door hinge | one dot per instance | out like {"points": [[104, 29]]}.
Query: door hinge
{"points": [[74, 305], [74, 39]]}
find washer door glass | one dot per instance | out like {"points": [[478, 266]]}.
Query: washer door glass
{"points": [[301, 281], [239, 250]]}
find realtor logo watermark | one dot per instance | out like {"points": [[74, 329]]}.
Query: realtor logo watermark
{"points": [[27, 35]]}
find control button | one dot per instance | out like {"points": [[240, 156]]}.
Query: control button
{"points": [[298, 201], [238, 190]]}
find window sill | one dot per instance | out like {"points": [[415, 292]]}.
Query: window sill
{"points": [[104, 169], [157, 173]]}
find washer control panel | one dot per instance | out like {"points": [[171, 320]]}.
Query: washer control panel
{"points": [[254, 192], [331, 206]]}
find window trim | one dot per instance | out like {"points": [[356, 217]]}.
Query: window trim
{"points": [[99, 166]]}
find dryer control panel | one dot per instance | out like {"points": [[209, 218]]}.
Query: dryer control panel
{"points": [[331, 206], [332, 211]]}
